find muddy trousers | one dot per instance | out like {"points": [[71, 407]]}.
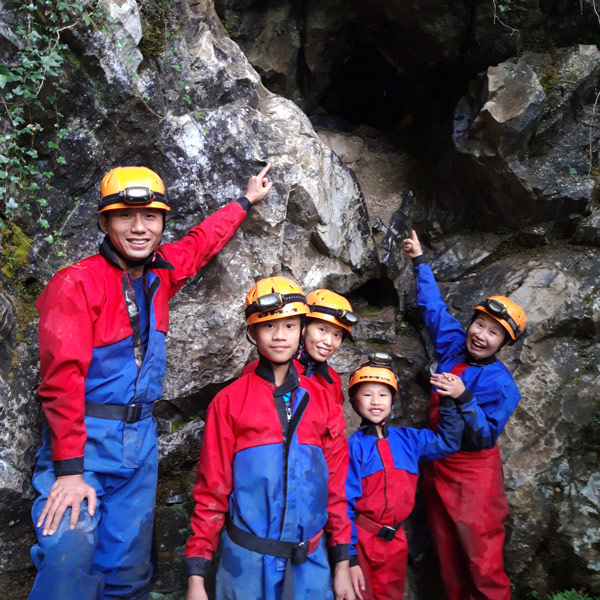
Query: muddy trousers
{"points": [[383, 564], [466, 509], [106, 556]]}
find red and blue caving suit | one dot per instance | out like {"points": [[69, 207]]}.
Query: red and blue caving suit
{"points": [[323, 374], [381, 487], [268, 477], [94, 352], [464, 493]]}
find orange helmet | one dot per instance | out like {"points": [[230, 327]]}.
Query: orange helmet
{"points": [[377, 369], [508, 313], [127, 187], [274, 298], [329, 306]]}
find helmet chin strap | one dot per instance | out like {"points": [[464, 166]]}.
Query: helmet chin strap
{"points": [[131, 263]]}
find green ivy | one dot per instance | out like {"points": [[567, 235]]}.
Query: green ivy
{"points": [[29, 89]]}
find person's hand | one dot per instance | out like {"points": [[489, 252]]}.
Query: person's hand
{"points": [[67, 491], [412, 246], [196, 589], [342, 586], [358, 581], [448, 384], [258, 186]]}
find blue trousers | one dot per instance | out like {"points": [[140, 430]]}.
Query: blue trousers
{"points": [[106, 556]]}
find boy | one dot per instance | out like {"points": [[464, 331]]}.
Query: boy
{"points": [[272, 469], [464, 494], [102, 329], [382, 478]]}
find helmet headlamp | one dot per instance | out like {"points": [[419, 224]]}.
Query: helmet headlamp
{"points": [[381, 359], [271, 302]]}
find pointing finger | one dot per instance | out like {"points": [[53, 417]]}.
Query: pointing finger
{"points": [[264, 171]]}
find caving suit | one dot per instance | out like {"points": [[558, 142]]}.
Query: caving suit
{"points": [[102, 361], [381, 486], [271, 483], [464, 493], [323, 374], [320, 372]]}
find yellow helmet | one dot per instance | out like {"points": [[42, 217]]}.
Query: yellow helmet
{"points": [[508, 313], [127, 187], [329, 306], [377, 369], [274, 298]]}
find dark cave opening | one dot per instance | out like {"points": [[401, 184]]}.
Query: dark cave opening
{"points": [[378, 293], [413, 107], [367, 89]]}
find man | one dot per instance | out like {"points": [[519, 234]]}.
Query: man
{"points": [[103, 323]]}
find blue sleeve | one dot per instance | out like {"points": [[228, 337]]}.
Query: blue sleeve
{"points": [[447, 440], [486, 416], [445, 331], [353, 493]]}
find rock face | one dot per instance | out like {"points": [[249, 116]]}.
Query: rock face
{"points": [[490, 151]]}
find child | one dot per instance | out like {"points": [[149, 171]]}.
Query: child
{"points": [[382, 478], [464, 494], [272, 470], [328, 321]]}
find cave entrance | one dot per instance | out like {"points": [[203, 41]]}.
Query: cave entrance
{"points": [[366, 89], [378, 293]]}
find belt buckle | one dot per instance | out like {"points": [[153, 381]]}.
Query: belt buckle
{"points": [[300, 552], [387, 533], [133, 413]]}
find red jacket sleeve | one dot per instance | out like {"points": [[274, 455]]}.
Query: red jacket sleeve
{"points": [[214, 480], [335, 448], [194, 250], [68, 308]]}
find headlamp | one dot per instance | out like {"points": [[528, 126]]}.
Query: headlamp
{"points": [[137, 195], [347, 317], [273, 301], [381, 359], [342, 315], [269, 302], [134, 195]]}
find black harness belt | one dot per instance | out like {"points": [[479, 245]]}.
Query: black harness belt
{"points": [[385, 532], [294, 552], [129, 413]]}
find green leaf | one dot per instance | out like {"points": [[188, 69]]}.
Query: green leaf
{"points": [[43, 223], [42, 201], [61, 160], [49, 239]]}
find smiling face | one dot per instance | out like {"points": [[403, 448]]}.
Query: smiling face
{"points": [[373, 401], [277, 340], [485, 336], [134, 232], [322, 339]]}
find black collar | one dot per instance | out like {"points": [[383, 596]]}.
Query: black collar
{"points": [[154, 261], [473, 362], [369, 428], [264, 369], [315, 367]]}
